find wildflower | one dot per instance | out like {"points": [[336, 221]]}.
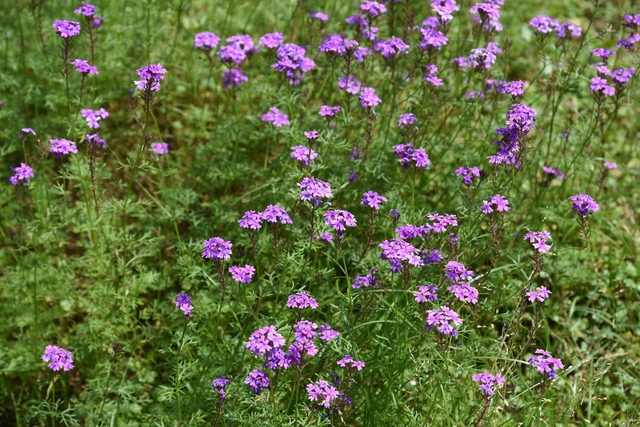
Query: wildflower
{"points": [[216, 249], [86, 9], [219, 385], [348, 360], [66, 29], [551, 171], [313, 190], [338, 219], [546, 364], [293, 62], [442, 222], [233, 77], [373, 8], [584, 204], [323, 393], [632, 21], [59, 358], [515, 88], [21, 174], [568, 29], [455, 272], [336, 45], [83, 66], [206, 41], [540, 294], [488, 14], [484, 57], [373, 200], [464, 292], [368, 281], [628, 42], [311, 135], [543, 24], [368, 97], [407, 120], [231, 54], [329, 111], [431, 76], [327, 334], [62, 146], [622, 76], [394, 215], [303, 154], [497, 202], [468, 173], [150, 77], [538, 240], [603, 53], [242, 274], [25, 131], [444, 319], [410, 156], [160, 148], [271, 40], [426, 293], [257, 380], [409, 231], [93, 117], [600, 85], [389, 49], [94, 141], [521, 118], [252, 220], [275, 117], [432, 39], [275, 214], [431, 257], [444, 9], [183, 302], [610, 165], [263, 340], [488, 381], [400, 253], [302, 300], [350, 84], [319, 16]]}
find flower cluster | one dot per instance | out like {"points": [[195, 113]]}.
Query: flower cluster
{"points": [[368, 281], [257, 380], [66, 29], [444, 319], [495, 203], [372, 200], [400, 254], [553, 172], [426, 293], [323, 393], [369, 98], [58, 358], [206, 41], [303, 154], [339, 219], [275, 117], [468, 173], [349, 362], [271, 40], [216, 249], [314, 190], [584, 205], [264, 340], [274, 214], [150, 77], [293, 62], [488, 381], [242, 274], [431, 76], [160, 148], [93, 117], [487, 14], [301, 300], [410, 156], [61, 147], [391, 48], [538, 240], [329, 111], [82, 66], [540, 294], [219, 385], [21, 174], [183, 302], [546, 364]]}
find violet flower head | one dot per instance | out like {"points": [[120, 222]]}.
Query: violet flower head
{"points": [[495, 203], [242, 274], [600, 85], [275, 117], [553, 172], [373, 8], [61, 147], [444, 319], [431, 257], [441, 222], [160, 148], [82, 66], [610, 165], [514, 88], [543, 24], [66, 29], [521, 118], [584, 205], [444, 9], [219, 385], [329, 111], [293, 62], [456, 272], [303, 154], [540, 294], [257, 380], [58, 358], [26, 131], [628, 42], [488, 381], [251, 220], [86, 9], [407, 120], [601, 52], [394, 215], [231, 54], [327, 334], [93, 117], [368, 281], [264, 340], [410, 231], [426, 293], [274, 214], [233, 78], [622, 76], [432, 39], [216, 249], [369, 98], [468, 173], [400, 254], [183, 302], [546, 364], [632, 21], [322, 393], [538, 240], [271, 40], [431, 76], [94, 141], [349, 362], [21, 174], [319, 16], [314, 190], [335, 45], [391, 48], [487, 13], [350, 84], [150, 77], [339, 219], [373, 200], [302, 300], [568, 29], [484, 57], [412, 157], [206, 41], [464, 292]]}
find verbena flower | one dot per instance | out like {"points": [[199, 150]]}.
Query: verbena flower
{"points": [[464, 292], [206, 41], [293, 62], [456, 272], [319, 16], [441, 222], [314, 190], [301, 300], [444, 319], [628, 42], [58, 358], [242, 274], [431, 76], [327, 334], [543, 24], [66, 29], [407, 120], [86, 9], [391, 48], [264, 340], [495, 203], [468, 173], [323, 393], [410, 156], [329, 111], [487, 13], [584, 204], [94, 141], [622, 76], [410, 231], [93, 117], [368, 281], [216, 249], [83, 66], [373, 8], [555, 172], [546, 364], [568, 29], [271, 40], [632, 21], [25, 131], [311, 135], [257, 380], [521, 118], [219, 385], [610, 165], [400, 254], [538, 240], [233, 77], [432, 39], [303, 154], [426, 293], [252, 220], [231, 54], [61, 147], [275, 214], [160, 148], [275, 117], [488, 381], [444, 9], [21, 174], [183, 302], [339, 219], [600, 85], [368, 97], [603, 53], [484, 57], [431, 257], [150, 77], [350, 84], [540, 294], [514, 88], [349, 362], [373, 200]]}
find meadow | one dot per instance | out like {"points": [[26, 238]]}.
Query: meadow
{"points": [[319, 213]]}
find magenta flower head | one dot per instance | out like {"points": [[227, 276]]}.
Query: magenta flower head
{"points": [[93, 117], [456, 271], [412, 157], [373, 8], [407, 120], [86, 9], [275, 117], [257, 380], [368, 97], [206, 41], [468, 173], [329, 111], [546, 364], [349, 362], [58, 358], [242, 274], [83, 66], [601, 52], [584, 205], [444, 319], [314, 190], [319, 16], [303, 154], [160, 148], [610, 165], [219, 385], [26, 131], [66, 29], [323, 393], [264, 340], [274, 214], [293, 62], [302, 300], [251, 220], [426, 293], [553, 172], [373, 200], [21, 174], [150, 77], [488, 381], [540, 294], [339, 219], [95, 142], [568, 29], [216, 249], [495, 203], [400, 254], [183, 302], [233, 78], [271, 40], [444, 9], [538, 240], [601, 86], [543, 24], [60, 147]]}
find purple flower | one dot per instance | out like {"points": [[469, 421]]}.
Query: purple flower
{"points": [[271, 40], [455, 272], [468, 173], [349, 362], [373, 8], [603, 53], [399, 254], [313, 190], [410, 156], [538, 240], [543, 24], [409, 231], [568, 29], [488, 14], [233, 77], [59, 358], [242, 274], [231, 54], [319, 15], [86, 9], [25, 131], [444, 9], [21, 174], [584, 204], [60, 147], [275, 214], [373, 200], [275, 117], [394, 215], [441, 222], [83, 66], [66, 29], [368, 97], [150, 77], [444, 319], [600, 85], [488, 381], [303, 154], [431, 76], [497, 202], [216, 249], [327, 334], [540, 294], [432, 39], [220, 386], [94, 141], [632, 21], [264, 340], [97, 21], [242, 41], [350, 84], [426, 293], [293, 62], [301, 300], [251, 220], [257, 380], [93, 117], [389, 49], [482, 57], [368, 281], [515, 88], [336, 45], [464, 292], [551, 171], [546, 364], [610, 165], [206, 41], [329, 111], [431, 257], [521, 117], [407, 120], [160, 148], [339, 219], [628, 42], [622, 76], [183, 302], [322, 393]]}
